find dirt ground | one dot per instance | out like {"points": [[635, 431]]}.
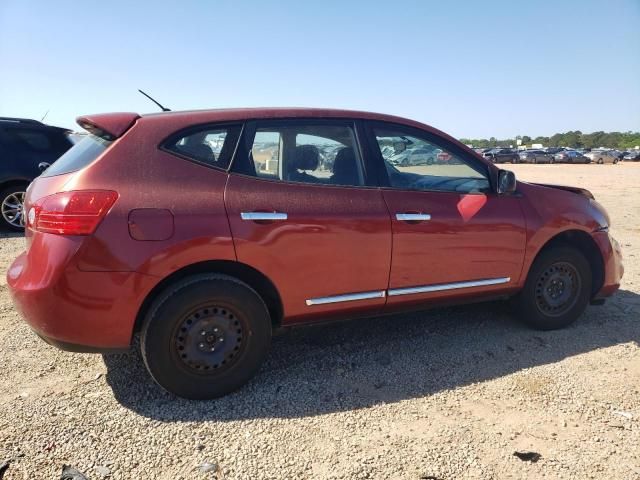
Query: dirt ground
{"points": [[446, 394]]}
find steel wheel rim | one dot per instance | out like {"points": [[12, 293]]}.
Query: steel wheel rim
{"points": [[13, 209], [209, 340], [557, 289]]}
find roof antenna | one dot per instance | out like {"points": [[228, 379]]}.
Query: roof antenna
{"points": [[45, 116], [164, 109]]}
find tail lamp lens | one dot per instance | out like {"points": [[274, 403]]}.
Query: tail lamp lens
{"points": [[71, 213]]}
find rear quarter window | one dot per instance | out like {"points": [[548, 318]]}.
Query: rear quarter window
{"points": [[79, 156], [210, 145]]}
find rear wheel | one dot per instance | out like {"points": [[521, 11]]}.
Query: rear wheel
{"points": [[12, 207], [600, 162], [557, 290], [206, 336]]}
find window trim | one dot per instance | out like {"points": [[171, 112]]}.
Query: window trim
{"points": [[437, 140], [240, 163], [185, 132]]}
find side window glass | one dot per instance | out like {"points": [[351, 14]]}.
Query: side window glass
{"points": [[414, 163], [320, 154], [33, 139], [212, 146]]}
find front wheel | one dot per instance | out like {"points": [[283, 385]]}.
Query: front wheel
{"points": [[205, 336], [557, 290], [13, 207]]}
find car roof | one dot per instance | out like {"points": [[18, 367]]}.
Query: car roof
{"points": [[225, 114], [182, 119]]}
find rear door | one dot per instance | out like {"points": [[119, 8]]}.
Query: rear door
{"points": [[452, 236], [305, 211]]}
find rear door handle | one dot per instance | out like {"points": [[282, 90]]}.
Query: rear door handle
{"points": [[263, 216], [413, 217]]}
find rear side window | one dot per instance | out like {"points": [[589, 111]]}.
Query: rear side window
{"points": [[79, 156], [32, 139], [212, 145], [325, 153]]}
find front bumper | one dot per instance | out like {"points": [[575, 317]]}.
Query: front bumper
{"points": [[613, 267], [72, 309]]}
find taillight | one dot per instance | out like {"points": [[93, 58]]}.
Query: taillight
{"points": [[71, 213]]}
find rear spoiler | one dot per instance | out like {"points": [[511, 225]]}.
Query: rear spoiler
{"points": [[108, 125]]}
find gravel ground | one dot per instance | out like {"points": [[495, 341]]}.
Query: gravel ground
{"points": [[446, 394]]}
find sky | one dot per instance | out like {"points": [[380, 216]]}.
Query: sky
{"points": [[474, 69]]}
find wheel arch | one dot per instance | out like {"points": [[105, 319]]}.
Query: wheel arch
{"points": [[586, 245], [13, 182], [243, 272]]}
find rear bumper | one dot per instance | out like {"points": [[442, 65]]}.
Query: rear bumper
{"points": [[613, 267], [72, 309]]}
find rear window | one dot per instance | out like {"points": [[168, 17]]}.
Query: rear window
{"points": [[79, 156]]}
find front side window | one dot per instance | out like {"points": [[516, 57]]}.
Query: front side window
{"points": [[319, 154], [212, 146], [415, 163]]}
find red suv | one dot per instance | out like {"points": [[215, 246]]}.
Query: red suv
{"points": [[204, 231]]}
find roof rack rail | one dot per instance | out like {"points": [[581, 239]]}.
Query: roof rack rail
{"points": [[20, 120]]}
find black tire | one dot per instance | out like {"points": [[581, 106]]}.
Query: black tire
{"points": [[405, 162], [600, 162], [545, 305], [10, 219], [182, 359]]}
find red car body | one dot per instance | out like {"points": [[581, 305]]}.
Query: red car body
{"points": [[173, 217]]}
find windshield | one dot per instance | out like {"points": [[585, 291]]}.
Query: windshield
{"points": [[79, 156]]}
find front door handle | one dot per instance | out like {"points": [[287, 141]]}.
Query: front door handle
{"points": [[263, 216], [413, 217]]}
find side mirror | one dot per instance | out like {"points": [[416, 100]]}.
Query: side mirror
{"points": [[42, 166], [506, 181]]}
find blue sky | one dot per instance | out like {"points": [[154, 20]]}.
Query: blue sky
{"points": [[473, 69]]}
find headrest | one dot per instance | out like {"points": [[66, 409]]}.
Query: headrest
{"points": [[306, 157], [345, 161]]}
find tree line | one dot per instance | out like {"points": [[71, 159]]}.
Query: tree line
{"points": [[575, 139]]}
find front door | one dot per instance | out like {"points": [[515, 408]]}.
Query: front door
{"points": [[452, 236], [303, 214]]}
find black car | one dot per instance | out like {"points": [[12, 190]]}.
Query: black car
{"points": [[26, 148], [502, 155], [633, 155]]}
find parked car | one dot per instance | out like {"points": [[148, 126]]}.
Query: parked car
{"points": [[535, 156], [24, 145], [141, 228], [571, 156], [418, 156], [602, 156], [554, 150], [502, 155], [633, 156]]}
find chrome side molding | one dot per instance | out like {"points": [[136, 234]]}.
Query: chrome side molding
{"points": [[263, 216], [351, 297], [413, 217], [448, 286]]}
